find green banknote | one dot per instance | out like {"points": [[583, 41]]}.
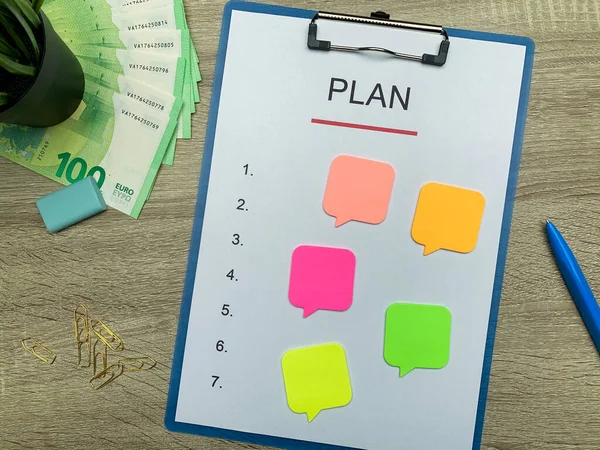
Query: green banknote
{"points": [[123, 148], [135, 19], [129, 16], [169, 17], [153, 98], [159, 14], [166, 42], [164, 72], [80, 15], [102, 48]]}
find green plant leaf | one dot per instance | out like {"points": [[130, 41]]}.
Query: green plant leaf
{"points": [[37, 5], [8, 27], [12, 66], [28, 12], [25, 28], [3, 98], [7, 50]]}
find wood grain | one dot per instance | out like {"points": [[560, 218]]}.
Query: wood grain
{"points": [[545, 384]]}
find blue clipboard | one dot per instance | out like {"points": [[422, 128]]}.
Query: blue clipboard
{"points": [[170, 420]]}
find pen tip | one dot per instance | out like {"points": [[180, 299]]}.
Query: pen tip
{"points": [[547, 221]]}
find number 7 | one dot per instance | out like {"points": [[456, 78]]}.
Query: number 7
{"points": [[215, 379]]}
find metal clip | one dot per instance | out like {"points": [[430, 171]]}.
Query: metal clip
{"points": [[107, 376], [137, 364], [81, 323], [382, 19], [107, 336], [103, 353], [48, 356]]}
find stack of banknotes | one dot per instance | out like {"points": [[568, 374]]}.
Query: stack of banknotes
{"points": [[141, 72]]}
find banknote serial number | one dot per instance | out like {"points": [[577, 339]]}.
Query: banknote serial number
{"points": [[134, 2], [142, 45], [139, 119], [146, 101], [42, 150], [149, 25], [149, 68]]}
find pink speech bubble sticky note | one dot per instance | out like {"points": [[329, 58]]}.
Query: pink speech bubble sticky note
{"points": [[358, 189], [322, 278]]}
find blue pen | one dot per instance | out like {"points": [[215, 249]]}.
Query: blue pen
{"points": [[576, 282]]}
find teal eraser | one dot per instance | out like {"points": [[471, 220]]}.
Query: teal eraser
{"points": [[71, 204]]}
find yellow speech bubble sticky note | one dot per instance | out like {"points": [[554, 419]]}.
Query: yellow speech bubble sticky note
{"points": [[316, 378], [358, 189], [448, 217]]}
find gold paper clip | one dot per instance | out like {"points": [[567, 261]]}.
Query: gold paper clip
{"points": [[81, 322], [106, 376], [107, 336], [137, 364], [103, 353], [48, 356]]}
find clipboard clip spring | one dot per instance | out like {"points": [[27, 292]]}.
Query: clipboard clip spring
{"points": [[382, 19]]}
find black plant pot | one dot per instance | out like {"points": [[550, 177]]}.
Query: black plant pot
{"points": [[57, 89]]}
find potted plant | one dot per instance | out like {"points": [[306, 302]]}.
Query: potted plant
{"points": [[41, 81]]}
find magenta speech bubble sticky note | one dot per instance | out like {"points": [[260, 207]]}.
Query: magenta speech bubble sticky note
{"points": [[322, 278]]}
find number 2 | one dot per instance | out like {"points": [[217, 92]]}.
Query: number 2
{"points": [[241, 203]]}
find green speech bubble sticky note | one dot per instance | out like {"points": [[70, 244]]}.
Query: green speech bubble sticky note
{"points": [[417, 336], [316, 378]]}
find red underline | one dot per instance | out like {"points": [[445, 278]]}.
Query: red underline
{"points": [[358, 126]]}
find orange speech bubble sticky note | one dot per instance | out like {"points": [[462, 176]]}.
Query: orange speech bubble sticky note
{"points": [[448, 218], [358, 189]]}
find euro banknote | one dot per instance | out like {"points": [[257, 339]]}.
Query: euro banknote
{"points": [[123, 148]]}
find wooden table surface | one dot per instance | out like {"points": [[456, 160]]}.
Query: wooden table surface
{"points": [[545, 383]]}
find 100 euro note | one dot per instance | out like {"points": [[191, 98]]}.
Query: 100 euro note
{"points": [[157, 15], [100, 15], [167, 42], [167, 74], [122, 145], [163, 72], [146, 21], [101, 45], [152, 98]]}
